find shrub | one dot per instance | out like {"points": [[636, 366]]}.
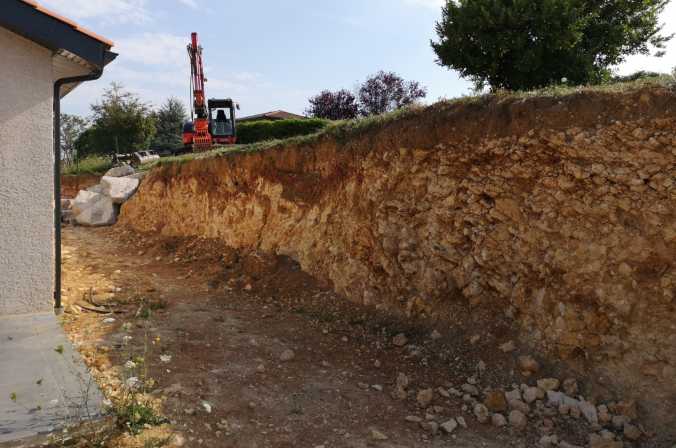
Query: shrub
{"points": [[258, 131]]}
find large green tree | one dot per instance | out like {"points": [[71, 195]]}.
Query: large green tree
{"points": [[121, 122], [526, 44], [169, 121]]}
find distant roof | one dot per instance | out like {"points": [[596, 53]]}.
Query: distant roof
{"points": [[274, 115], [34, 22]]}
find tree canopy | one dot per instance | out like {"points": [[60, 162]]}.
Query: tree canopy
{"points": [[121, 122], [380, 93], [338, 105], [525, 44], [387, 91], [169, 121]]}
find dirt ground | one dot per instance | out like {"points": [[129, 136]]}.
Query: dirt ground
{"points": [[208, 333]]}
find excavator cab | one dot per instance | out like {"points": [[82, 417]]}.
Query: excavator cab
{"points": [[222, 125]]}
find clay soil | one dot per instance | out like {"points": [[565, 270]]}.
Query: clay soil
{"points": [[225, 319]]}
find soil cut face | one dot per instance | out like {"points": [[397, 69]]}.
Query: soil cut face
{"points": [[246, 350]]}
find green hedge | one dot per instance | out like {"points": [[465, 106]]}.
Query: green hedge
{"points": [[89, 165], [258, 131]]}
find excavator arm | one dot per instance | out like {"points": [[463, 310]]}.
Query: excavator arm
{"points": [[202, 140]]}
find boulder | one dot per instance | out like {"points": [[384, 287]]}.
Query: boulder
{"points": [[98, 188], [120, 171], [93, 209], [140, 175], [119, 189]]}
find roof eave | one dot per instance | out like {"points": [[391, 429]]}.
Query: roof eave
{"points": [[54, 32]]}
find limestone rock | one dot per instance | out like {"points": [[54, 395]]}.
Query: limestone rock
{"points": [[530, 394], [588, 410], [481, 412], [461, 421], [120, 171], [93, 209], [498, 420], [519, 405], [449, 426], [512, 395], [548, 384], [430, 426], [98, 188], [518, 419], [119, 189], [508, 347], [374, 434], [425, 397], [470, 389], [287, 355]]}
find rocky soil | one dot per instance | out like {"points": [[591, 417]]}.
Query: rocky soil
{"points": [[559, 211], [242, 349]]}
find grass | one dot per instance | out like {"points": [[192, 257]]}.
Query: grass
{"points": [[135, 414], [346, 130], [89, 165]]}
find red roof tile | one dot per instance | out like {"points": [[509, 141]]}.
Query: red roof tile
{"points": [[67, 21]]}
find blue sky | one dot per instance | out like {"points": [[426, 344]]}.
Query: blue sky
{"points": [[269, 54]]}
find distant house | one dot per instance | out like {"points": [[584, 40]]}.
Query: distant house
{"points": [[273, 116], [43, 56]]}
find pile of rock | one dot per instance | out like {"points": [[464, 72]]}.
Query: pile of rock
{"points": [[99, 205], [542, 406]]}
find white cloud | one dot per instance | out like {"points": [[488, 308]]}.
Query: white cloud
{"points": [[426, 3], [153, 49], [191, 3], [664, 64], [107, 11]]}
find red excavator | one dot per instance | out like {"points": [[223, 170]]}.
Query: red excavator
{"points": [[213, 121]]}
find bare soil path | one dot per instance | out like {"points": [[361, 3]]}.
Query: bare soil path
{"points": [[248, 351]]}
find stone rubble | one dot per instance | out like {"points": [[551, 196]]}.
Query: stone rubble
{"points": [[98, 205]]}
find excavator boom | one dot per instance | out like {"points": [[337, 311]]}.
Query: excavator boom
{"points": [[206, 130]]}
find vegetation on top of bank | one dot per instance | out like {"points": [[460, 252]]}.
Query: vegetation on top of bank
{"points": [[345, 130], [89, 165], [249, 132]]}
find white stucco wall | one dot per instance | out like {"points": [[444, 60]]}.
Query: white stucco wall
{"points": [[26, 176]]}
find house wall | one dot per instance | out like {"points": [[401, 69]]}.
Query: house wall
{"points": [[26, 176]]}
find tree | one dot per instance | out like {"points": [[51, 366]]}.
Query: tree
{"points": [[121, 123], [525, 44], [72, 127], [339, 105], [169, 121], [387, 91]]}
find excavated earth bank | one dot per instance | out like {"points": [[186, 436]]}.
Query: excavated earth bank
{"points": [[558, 211]]}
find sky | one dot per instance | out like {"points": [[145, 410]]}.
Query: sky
{"points": [[270, 55]]}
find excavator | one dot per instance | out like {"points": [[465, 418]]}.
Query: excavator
{"points": [[213, 121]]}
